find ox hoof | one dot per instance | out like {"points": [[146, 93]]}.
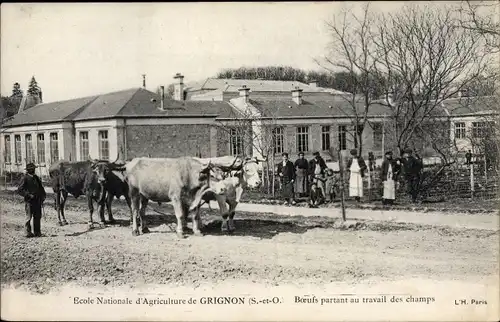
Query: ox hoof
{"points": [[102, 223], [145, 230], [61, 224], [65, 222], [112, 221], [135, 233], [180, 235], [197, 233], [90, 225]]}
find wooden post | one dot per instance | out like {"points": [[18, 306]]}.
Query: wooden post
{"points": [[273, 177], [341, 168], [472, 180], [485, 169], [369, 182]]}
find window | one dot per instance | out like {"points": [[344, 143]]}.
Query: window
{"points": [[84, 146], [460, 130], [377, 136], [103, 145], [478, 129], [17, 149], [278, 140], [30, 152], [302, 139], [40, 148], [235, 142], [54, 147], [8, 152], [325, 138], [342, 137]]}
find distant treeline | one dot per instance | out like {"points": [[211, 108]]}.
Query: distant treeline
{"points": [[342, 81]]}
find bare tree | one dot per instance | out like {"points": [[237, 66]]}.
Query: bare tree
{"points": [[245, 131], [426, 59], [351, 47], [481, 17]]}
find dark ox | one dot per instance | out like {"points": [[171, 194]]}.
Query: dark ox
{"points": [[98, 180], [241, 174], [181, 181]]}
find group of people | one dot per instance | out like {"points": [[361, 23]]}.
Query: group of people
{"points": [[313, 179]]}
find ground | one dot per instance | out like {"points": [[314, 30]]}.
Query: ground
{"points": [[269, 249]]}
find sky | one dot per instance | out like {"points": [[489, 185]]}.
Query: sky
{"points": [[81, 49]]}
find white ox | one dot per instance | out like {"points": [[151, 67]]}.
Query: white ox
{"points": [[181, 181], [241, 173]]}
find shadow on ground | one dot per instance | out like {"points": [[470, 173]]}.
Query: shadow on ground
{"points": [[259, 228]]}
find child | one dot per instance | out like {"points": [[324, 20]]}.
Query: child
{"points": [[314, 195], [332, 183]]}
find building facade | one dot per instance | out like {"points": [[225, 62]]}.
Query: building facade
{"points": [[207, 121]]}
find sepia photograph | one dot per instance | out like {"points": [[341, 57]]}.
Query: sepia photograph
{"points": [[250, 161]]}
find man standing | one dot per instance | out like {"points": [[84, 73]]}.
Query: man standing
{"points": [[32, 190], [287, 175], [357, 168], [317, 167], [388, 176], [301, 179], [411, 169], [468, 157]]}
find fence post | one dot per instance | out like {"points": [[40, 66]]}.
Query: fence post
{"points": [[369, 184], [485, 170], [471, 180], [341, 185]]}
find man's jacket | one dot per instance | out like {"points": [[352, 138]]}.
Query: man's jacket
{"points": [[31, 188]]}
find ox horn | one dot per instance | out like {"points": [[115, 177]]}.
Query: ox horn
{"points": [[234, 162], [92, 160], [117, 157]]}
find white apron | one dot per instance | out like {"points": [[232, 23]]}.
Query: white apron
{"points": [[355, 180], [389, 185]]}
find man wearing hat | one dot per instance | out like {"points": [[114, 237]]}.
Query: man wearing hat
{"points": [[388, 176], [357, 168], [32, 190], [301, 176], [411, 168], [287, 175]]}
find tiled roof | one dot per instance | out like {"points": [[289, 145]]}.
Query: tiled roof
{"points": [[472, 105], [135, 102], [313, 106], [257, 85], [141, 105], [50, 112]]}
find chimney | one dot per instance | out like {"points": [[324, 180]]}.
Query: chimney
{"points": [[297, 95], [162, 98], [244, 92], [179, 87], [144, 81], [313, 83]]}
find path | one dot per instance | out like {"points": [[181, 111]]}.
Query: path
{"points": [[455, 220]]}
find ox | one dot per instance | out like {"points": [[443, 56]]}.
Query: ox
{"points": [[181, 181], [243, 173], [88, 178]]}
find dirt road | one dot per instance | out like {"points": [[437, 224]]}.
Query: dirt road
{"points": [[264, 249]]}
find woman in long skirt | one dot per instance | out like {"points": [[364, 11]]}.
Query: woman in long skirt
{"points": [[357, 167], [301, 176]]}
